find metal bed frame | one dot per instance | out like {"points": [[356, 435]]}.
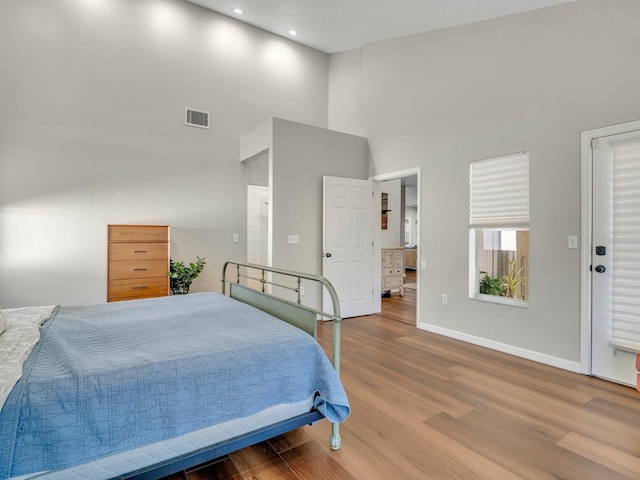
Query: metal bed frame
{"points": [[301, 316]]}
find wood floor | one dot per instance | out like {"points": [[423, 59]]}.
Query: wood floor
{"points": [[402, 308], [430, 407]]}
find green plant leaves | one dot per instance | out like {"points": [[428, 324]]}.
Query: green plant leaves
{"points": [[512, 279], [181, 276], [490, 285], [504, 286]]}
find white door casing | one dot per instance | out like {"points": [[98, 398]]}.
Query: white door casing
{"points": [[347, 244], [608, 362]]}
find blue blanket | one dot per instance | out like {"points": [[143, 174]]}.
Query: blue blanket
{"points": [[111, 377]]}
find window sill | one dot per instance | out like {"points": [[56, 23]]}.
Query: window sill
{"points": [[512, 302]]}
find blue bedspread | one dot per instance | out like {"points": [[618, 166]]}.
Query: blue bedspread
{"points": [[111, 377]]}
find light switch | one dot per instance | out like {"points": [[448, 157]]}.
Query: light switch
{"points": [[573, 241], [423, 264]]}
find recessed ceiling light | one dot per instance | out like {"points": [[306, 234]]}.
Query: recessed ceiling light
{"points": [[239, 11], [293, 33]]}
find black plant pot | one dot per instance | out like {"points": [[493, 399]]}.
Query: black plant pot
{"points": [[181, 290]]}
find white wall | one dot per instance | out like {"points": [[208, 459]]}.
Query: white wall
{"points": [[92, 98], [302, 155], [440, 100], [394, 234], [412, 214], [258, 224], [346, 108]]}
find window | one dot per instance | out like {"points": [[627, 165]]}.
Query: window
{"points": [[499, 229]]}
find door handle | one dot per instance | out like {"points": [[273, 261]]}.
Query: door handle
{"points": [[328, 255], [600, 268]]}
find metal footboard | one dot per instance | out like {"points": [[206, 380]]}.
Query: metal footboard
{"points": [[292, 312]]}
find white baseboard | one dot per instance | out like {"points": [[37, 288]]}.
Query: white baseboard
{"points": [[505, 348]]}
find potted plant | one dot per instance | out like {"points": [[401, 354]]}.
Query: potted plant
{"points": [[512, 279], [504, 286], [181, 276], [490, 285]]}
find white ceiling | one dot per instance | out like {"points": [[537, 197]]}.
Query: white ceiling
{"points": [[337, 25]]}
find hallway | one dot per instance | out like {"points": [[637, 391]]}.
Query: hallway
{"points": [[402, 309]]}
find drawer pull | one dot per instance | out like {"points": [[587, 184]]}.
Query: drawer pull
{"points": [[142, 287], [139, 269], [139, 251]]}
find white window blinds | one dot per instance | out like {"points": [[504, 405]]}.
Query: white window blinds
{"points": [[625, 319], [500, 191]]}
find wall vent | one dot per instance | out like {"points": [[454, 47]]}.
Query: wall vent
{"points": [[196, 118]]}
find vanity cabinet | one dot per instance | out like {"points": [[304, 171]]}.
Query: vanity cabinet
{"points": [[392, 269], [138, 262]]}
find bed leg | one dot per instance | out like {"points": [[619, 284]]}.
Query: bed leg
{"points": [[334, 439]]}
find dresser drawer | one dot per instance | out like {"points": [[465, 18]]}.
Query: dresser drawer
{"points": [[390, 282], [139, 233], [139, 269], [391, 271], [127, 252], [141, 288]]}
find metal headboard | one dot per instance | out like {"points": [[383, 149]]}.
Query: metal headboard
{"points": [[295, 313]]}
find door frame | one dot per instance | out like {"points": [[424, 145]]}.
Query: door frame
{"points": [[586, 174], [376, 234]]}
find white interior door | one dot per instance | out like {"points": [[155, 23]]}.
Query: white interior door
{"points": [[615, 257], [347, 244]]}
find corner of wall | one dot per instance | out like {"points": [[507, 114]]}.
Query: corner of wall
{"points": [[257, 141]]}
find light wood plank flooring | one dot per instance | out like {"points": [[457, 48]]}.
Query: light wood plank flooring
{"points": [[402, 308], [430, 407]]}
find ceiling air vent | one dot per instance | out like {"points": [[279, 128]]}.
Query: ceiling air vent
{"points": [[196, 118]]}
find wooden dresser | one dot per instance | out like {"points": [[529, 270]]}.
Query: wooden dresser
{"points": [[138, 262], [392, 269]]}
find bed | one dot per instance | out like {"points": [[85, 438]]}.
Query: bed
{"points": [[145, 388]]}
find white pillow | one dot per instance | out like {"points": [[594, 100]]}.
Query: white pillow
{"points": [[3, 321]]}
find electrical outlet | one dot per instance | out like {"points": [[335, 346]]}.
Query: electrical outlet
{"points": [[294, 239], [236, 238], [445, 299]]}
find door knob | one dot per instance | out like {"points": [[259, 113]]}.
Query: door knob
{"points": [[600, 268], [328, 255]]}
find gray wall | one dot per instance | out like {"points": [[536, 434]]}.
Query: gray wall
{"points": [[257, 170], [394, 234], [530, 81], [302, 155], [92, 98]]}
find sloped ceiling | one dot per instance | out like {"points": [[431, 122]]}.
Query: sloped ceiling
{"points": [[337, 25]]}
